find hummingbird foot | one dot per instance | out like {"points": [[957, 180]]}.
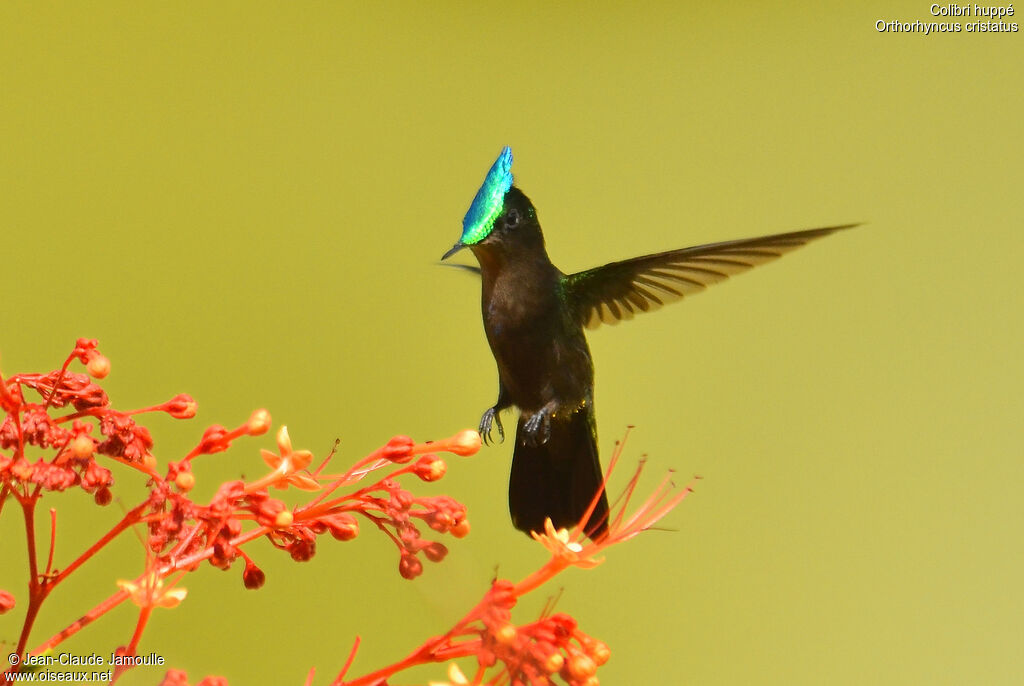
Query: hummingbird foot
{"points": [[537, 429], [491, 416]]}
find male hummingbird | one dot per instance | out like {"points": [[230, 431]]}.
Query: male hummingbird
{"points": [[534, 316]]}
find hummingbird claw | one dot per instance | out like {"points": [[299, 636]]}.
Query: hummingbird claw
{"points": [[537, 429], [491, 415]]}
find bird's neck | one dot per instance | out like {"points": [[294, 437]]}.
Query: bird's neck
{"points": [[529, 264], [519, 294]]}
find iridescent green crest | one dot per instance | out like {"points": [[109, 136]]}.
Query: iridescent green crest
{"points": [[489, 200]]}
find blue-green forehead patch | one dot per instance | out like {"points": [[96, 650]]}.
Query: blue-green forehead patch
{"points": [[489, 200]]}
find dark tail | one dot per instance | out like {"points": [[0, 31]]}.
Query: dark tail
{"points": [[559, 478]]}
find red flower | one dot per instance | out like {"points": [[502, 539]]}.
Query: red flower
{"points": [[124, 437], [62, 387], [6, 602]]}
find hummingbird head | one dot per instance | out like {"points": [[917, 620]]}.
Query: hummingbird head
{"points": [[499, 211]]}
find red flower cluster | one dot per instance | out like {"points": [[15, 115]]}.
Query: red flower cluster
{"points": [[74, 463], [552, 647], [182, 533], [534, 653]]}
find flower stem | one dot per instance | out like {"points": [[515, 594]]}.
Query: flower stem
{"points": [[36, 589], [540, 577], [53, 541], [128, 520], [144, 612], [57, 382], [348, 662], [82, 622]]}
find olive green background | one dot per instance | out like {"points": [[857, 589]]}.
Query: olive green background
{"points": [[246, 201]]}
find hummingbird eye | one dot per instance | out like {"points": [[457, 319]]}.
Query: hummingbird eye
{"points": [[512, 218]]}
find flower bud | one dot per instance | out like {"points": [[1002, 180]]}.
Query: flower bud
{"points": [[302, 551], [7, 602], [435, 551], [430, 468], [214, 440], [259, 423], [96, 477], [252, 576], [503, 594], [10, 396], [403, 498], [343, 526], [506, 635], [103, 496], [398, 449], [553, 661], [185, 481], [464, 443], [461, 528], [21, 469], [439, 521], [581, 667], [82, 446], [98, 366], [224, 553], [409, 566], [181, 406], [562, 624], [599, 651]]}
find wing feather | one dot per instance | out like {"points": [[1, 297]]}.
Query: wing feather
{"points": [[619, 290]]}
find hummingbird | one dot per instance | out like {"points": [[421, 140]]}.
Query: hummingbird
{"points": [[534, 316]]}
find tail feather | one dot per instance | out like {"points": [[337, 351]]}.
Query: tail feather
{"points": [[558, 479]]}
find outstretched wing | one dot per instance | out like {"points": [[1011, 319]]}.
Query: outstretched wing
{"points": [[618, 290]]}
